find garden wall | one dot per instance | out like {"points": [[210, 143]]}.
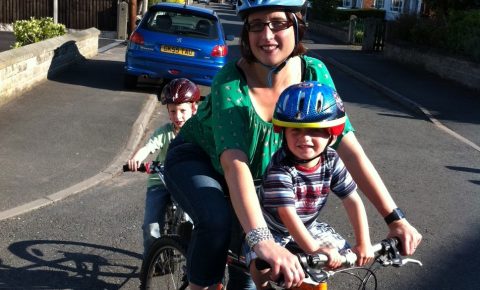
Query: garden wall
{"points": [[462, 71], [24, 67]]}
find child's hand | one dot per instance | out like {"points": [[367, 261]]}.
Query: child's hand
{"points": [[365, 254], [133, 164], [334, 258]]}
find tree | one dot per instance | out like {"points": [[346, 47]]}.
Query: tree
{"points": [[444, 7], [325, 10]]}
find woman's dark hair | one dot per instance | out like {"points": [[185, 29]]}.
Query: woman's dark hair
{"points": [[298, 50]]}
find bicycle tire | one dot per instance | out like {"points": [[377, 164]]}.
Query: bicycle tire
{"points": [[165, 266]]}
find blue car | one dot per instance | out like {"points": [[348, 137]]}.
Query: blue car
{"points": [[176, 41]]}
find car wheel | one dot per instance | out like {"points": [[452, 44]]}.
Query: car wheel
{"points": [[130, 81]]}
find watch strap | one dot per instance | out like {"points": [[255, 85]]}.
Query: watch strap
{"points": [[395, 215]]}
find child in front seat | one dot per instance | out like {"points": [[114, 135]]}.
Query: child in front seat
{"points": [[303, 172]]}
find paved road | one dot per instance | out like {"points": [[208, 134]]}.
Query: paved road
{"points": [[78, 126]]}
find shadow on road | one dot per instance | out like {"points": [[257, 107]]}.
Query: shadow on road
{"points": [[454, 266], [101, 74], [68, 265], [467, 170]]}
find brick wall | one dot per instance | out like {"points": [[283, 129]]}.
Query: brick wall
{"points": [[368, 3]]}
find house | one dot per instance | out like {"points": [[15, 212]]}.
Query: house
{"points": [[393, 8]]}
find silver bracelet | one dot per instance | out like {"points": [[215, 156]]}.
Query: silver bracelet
{"points": [[257, 235]]}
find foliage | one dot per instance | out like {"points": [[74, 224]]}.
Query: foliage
{"points": [[327, 11], [457, 33], [35, 30], [443, 7], [463, 33], [358, 35], [344, 14], [153, 2], [324, 10]]}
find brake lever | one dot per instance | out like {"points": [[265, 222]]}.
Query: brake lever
{"points": [[413, 261], [397, 261]]}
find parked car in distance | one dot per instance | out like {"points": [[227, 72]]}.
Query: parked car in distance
{"points": [[204, 1], [176, 41]]}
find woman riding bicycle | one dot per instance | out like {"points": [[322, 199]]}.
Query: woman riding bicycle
{"points": [[230, 140]]}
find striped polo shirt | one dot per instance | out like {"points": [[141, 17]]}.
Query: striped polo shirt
{"points": [[286, 184]]}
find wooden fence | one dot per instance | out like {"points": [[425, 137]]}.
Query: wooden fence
{"points": [[75, 14]]}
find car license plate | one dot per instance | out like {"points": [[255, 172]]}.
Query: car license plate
{"points": [[177, 50]]}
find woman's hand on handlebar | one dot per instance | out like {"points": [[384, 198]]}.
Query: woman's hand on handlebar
{"points": [[282, 262], [409, 237]]}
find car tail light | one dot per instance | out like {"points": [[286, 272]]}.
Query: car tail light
{"points": [[137, 38], [219, 51], [173, 72]]}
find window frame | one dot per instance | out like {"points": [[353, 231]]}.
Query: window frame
{"points": [[396, 5]]}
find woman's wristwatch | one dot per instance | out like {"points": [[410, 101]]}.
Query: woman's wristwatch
{"points": [[395, 215]]}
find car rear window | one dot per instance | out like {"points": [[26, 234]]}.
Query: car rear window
{"points": [[181, 23]]}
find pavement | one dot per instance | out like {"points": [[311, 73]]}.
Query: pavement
{"points": [[70, 132], [452, 107], [76, 130]]}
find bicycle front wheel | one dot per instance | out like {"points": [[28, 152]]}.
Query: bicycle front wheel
{"points": [[165, 266]]}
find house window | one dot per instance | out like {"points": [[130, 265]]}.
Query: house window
{"points": [[396, 5], [347, 3], [379, 4]]}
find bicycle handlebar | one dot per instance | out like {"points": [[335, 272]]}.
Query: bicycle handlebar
{"points": [[386, 253], [319, 261], [147, 167]]}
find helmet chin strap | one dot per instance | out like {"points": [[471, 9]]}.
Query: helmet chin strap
{"points": [[275, 69]]}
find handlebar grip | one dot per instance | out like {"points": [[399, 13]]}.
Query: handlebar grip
{"points": [[262, 264], [141, 168]]}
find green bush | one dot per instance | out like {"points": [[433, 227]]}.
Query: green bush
{"points": [[400, 30], [429, 32], [153, 2], [35, 30], [324, 10], [458, 33], [463, 33], [344, 14]]}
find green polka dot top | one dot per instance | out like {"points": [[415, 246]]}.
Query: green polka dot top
{"points": [[227, 119]]}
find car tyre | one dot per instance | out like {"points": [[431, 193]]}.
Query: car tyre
{"points": [[130, 81]]}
